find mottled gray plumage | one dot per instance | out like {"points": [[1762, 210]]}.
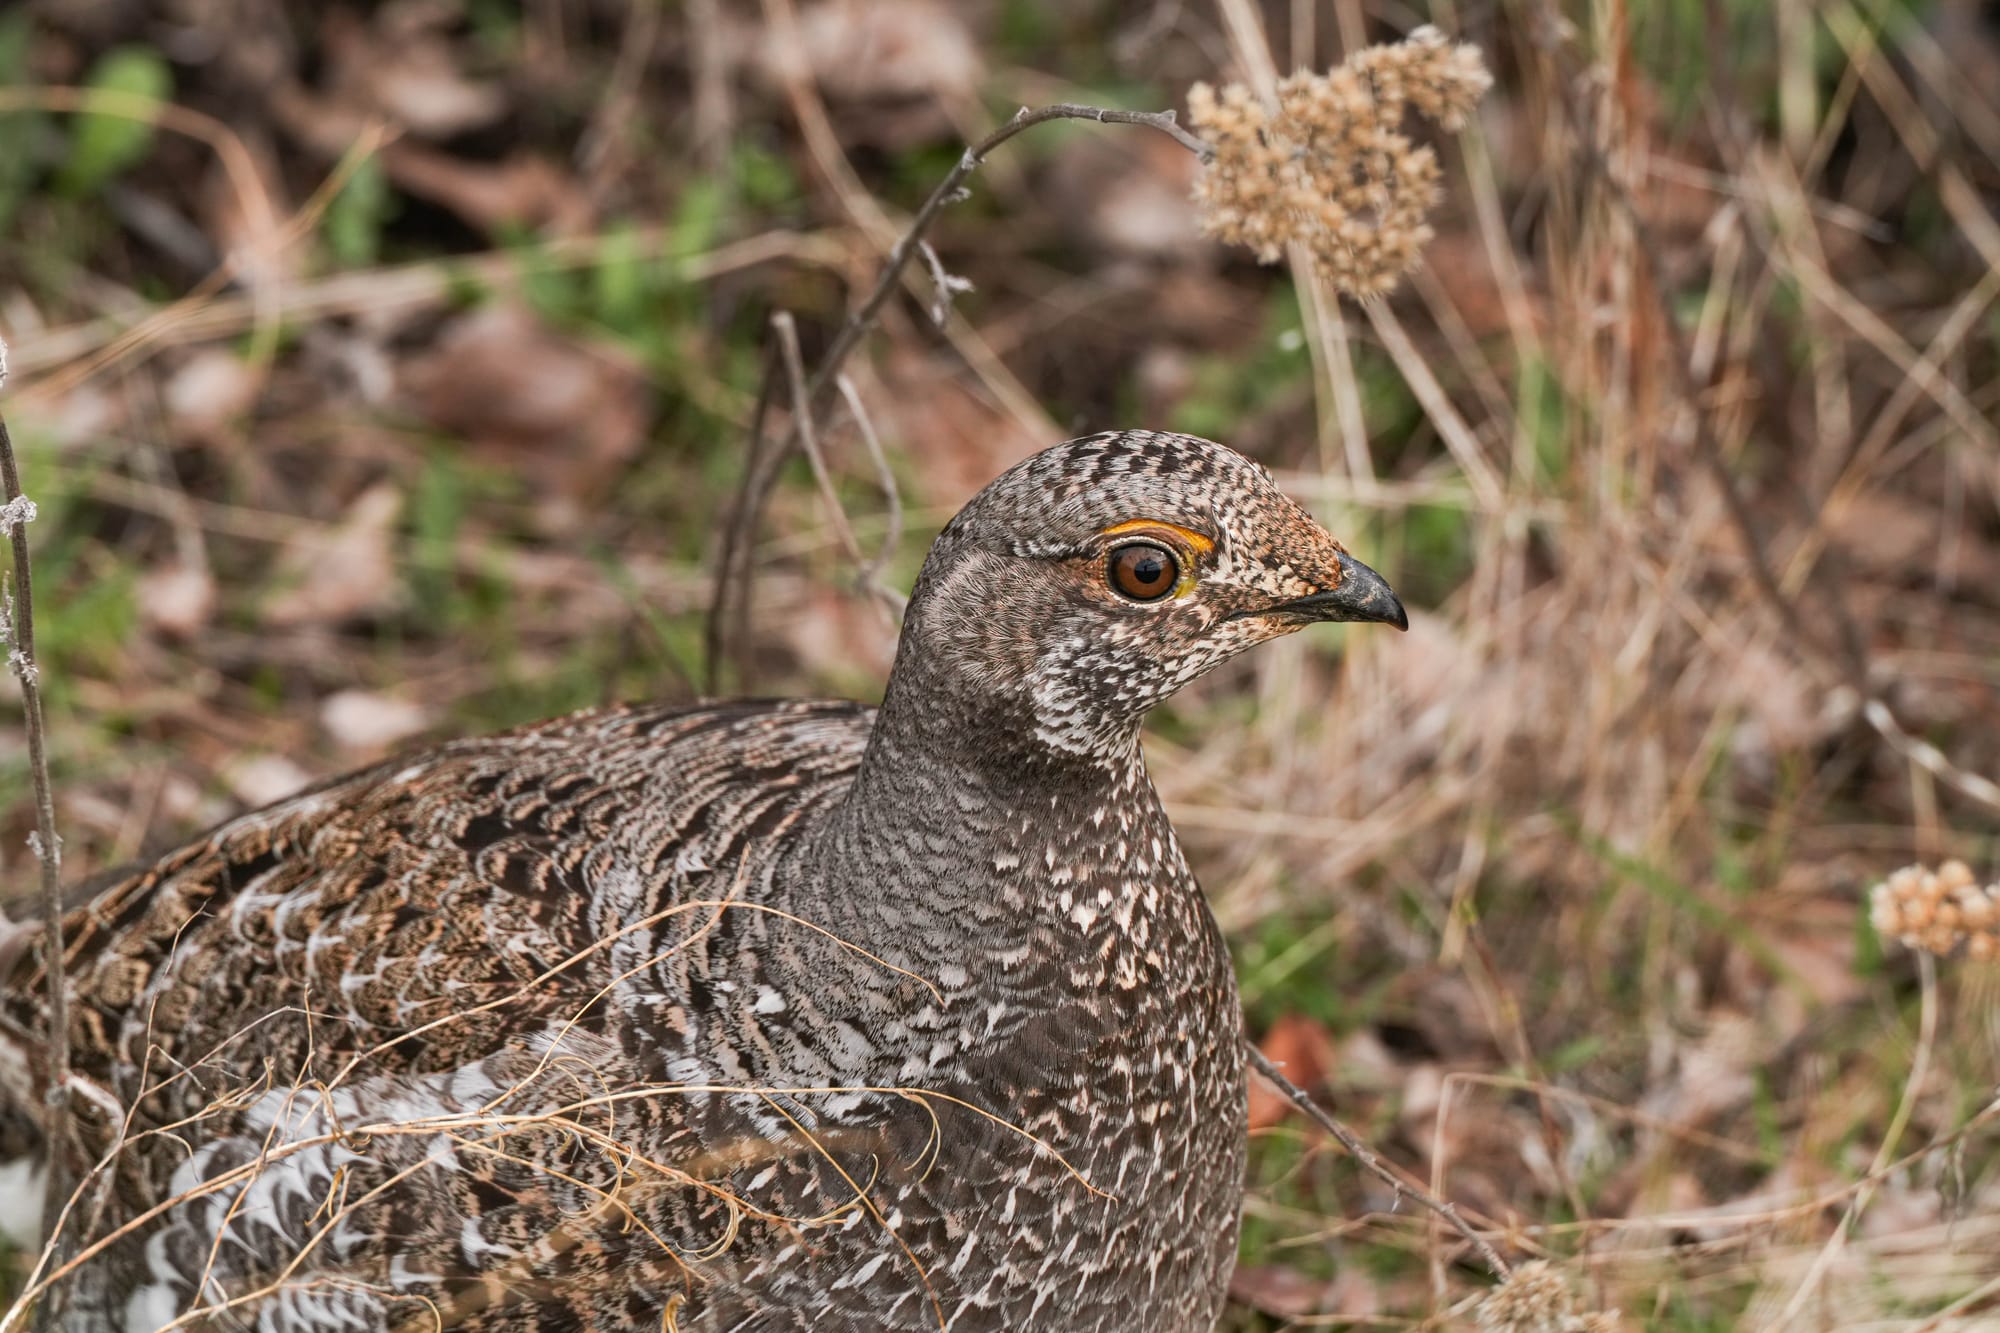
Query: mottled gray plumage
{"points": [[743, 1016]]}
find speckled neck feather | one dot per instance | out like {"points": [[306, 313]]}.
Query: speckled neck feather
{"points": [[743, 1016]]}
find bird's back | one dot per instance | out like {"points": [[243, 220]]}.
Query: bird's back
{"points": [[447, 942]]}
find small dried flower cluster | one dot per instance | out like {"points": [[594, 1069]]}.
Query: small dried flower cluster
{"points": [[1535, 1299], [1331, 166], [1938, 910]]}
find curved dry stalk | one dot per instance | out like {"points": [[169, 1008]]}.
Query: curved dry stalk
{"points": [[486, 1117], [450, 1125], [388, 287], [729, 603], [892, 1090], [479, 1130], [492, 1288], [885, 477], [869, 1206]]}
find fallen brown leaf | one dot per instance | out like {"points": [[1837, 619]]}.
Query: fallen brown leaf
{"points": [[565, 413], [177, 598], [401, 67], [343, 573], [209, 389]]}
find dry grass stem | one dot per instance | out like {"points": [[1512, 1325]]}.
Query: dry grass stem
{"points": [[485, 1130], [870, 577]]}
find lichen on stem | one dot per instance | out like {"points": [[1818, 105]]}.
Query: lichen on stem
{"points": [[18, 627]]}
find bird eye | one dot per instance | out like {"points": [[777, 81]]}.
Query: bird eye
{"points": [[1142, 571]]}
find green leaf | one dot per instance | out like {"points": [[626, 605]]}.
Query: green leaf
{"points": [[354, 219], [436, 511], [106, 141], [766, 179], [619, 285], [698, 218]]}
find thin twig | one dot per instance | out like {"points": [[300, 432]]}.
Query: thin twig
{"points": [[787, 330], [867, 570], [729, 603], [728, 615], [19, 628], [1972, 1300], [947, 285], [892, 496], [606, 139], [947, 192], [1367, 1157]]}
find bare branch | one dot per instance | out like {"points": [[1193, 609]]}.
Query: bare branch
{"points": [[866, 570], [1365, 1155], [885, 476], [729, 600], [947, 192], [807, 430]]}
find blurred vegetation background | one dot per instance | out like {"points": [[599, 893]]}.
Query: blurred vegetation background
{"points": [[383, 373]]}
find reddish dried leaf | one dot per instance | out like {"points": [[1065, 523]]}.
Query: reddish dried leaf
{"points": [[1307, 1054]]}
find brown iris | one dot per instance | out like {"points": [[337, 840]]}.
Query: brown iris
{"points": [[1142, 571]]}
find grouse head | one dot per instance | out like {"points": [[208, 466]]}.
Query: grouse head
{"points": [[1091, 581]]}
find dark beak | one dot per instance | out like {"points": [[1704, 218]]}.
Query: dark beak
{"points": [[1361, 594]]}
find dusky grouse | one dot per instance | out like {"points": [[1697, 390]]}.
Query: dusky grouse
{"points": [[738, 1016]]}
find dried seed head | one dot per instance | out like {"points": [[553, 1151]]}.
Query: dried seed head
{"points": [[1330, 166], [1938, 911], [1536, 1299]]}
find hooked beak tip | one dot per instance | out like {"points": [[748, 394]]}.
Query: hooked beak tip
{"points": [[1361, 595]]}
